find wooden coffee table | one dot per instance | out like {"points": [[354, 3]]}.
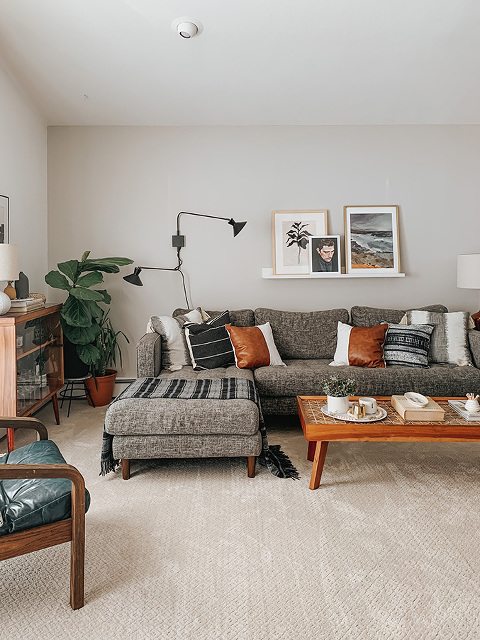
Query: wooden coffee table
{"points": [[320, 429]]}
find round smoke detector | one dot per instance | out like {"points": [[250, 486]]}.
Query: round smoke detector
{"points": [[187, 28]]}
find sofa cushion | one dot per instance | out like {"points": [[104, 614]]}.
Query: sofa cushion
{"points": [[360, 346], [238, 317], [31, 502], [407, 345], [449, 342], [304, 377], [209, 343], [175, 352], [254, 346], [368, 316], [307, 335]]}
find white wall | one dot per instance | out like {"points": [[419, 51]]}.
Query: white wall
{"points": [[117, 191], [23, 178]]}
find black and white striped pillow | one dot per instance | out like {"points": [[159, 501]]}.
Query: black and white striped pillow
{"points": [[209, 343], [407, 345]]}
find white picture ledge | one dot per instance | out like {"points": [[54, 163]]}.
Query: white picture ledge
{"points": [[267, 274]]}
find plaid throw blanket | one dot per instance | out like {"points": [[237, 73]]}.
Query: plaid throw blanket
{"points": [[208, 389]]}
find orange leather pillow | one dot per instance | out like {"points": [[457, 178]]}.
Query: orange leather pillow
{"points": [[249, 346], [360, 346], [365, 347]]}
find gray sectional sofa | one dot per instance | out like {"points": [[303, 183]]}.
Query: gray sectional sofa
{"points": [[195, 428], [306, 342]]}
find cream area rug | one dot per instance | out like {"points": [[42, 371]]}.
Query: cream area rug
{"points": [[387, 548]]}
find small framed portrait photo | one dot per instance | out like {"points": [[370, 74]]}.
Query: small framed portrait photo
{"points": [[324, 253]]}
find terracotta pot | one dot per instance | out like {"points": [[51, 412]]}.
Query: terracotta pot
{"points": [[101, 393]]}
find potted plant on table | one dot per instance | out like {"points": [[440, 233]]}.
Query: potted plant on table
{"points": [[338, 390], [85, 323]]}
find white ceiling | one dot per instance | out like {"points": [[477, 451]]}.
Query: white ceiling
{"points": [[257, 62]]}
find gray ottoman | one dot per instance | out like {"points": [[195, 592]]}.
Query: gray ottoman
{"points": [[176, 428]]}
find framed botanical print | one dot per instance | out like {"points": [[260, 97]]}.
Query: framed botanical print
{"points": [[291, 231], [371, 240], [4, 219], [325, 255]]}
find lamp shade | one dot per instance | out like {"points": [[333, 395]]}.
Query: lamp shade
{"points": [[468, 271], [8, 262]]}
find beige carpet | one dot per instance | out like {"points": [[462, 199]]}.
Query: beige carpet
{"points": [[388, 547]]}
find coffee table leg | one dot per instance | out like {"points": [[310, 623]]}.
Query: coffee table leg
{"points": [[311, 450], [318, 462]]}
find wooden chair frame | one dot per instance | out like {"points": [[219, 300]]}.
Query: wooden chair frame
{"points": [[70, 530]]}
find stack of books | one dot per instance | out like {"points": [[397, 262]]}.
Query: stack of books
{"points": [[459, 407], [432, 412], [21, 305]]}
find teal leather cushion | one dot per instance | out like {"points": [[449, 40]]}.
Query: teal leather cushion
{"points": [[27, 503]]}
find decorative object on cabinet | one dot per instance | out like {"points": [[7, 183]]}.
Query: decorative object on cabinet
{"points": [[325, 255], [82, 315], [22, 286], [178, 242], [31, 371], [371, 239], [468, 277], [9, 267], [291, 231], [4, 215]]}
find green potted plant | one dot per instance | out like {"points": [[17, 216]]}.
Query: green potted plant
{"points": [[101, 385], [338, 390], [82, 315]]}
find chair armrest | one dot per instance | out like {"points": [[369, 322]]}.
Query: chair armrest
{"points": [[149, 355], [474, 342], [25, 423]]}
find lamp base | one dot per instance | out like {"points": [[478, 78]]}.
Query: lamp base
{"points": [[476, 319], [10, 291]]}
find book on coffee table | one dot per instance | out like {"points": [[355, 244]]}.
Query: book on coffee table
{"points": [[430, 412], [459, 406]]}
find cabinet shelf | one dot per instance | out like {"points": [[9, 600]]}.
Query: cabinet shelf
{"points": [[267, 274], [36, 348]]}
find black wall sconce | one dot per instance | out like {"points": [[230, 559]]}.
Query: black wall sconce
{"points": [[178, 242]]}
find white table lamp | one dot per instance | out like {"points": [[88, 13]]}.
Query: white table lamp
{"points": [[468, 276], [8, 273]]}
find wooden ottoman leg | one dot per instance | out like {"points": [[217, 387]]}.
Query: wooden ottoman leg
{"points": [[251, 466], [126, 468]]}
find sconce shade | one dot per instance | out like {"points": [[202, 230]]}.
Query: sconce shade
{"points": [[8, 262], [237, 226], [468, 271], [134, 278]]}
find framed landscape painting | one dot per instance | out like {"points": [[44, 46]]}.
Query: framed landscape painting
{"points": [[371, 240], [3, 219], [291, 231]]}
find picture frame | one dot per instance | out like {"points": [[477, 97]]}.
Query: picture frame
{"points": [[4, 218], [371, 240], [291, 231], [324, 255]]}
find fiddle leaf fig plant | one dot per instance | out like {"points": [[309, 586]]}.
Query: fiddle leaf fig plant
{"points": [[82, 316]]}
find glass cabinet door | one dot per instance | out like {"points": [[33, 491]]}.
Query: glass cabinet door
{"points": [[38, 362]]}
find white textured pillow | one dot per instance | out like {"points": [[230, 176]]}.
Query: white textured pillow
{"points": [[449, 340], [175, 353], [275, 359]]}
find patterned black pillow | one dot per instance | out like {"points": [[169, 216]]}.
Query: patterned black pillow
{"points": [[209, 343], [407, 345]]}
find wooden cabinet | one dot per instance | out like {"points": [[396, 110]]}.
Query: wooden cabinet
{"points": [[31, 362]]}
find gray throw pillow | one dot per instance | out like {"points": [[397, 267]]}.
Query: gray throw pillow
{"points": [[448, 343]]}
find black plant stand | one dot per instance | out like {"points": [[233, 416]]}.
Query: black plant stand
{"points": [[73, 385]]}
